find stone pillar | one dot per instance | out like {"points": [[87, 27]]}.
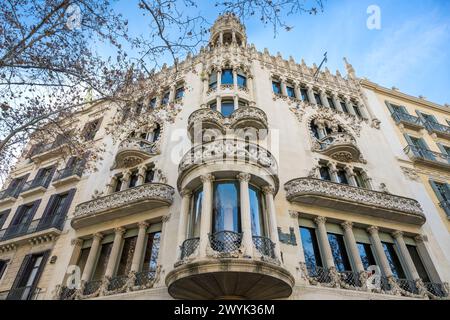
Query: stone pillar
{"points": [[352, 246], [221, 38], [333, 172], [321, 130], [283, 87], [114, 255], [324, 243], [139, 249], [311, 97], [323, 97], [205, 222], [111, 186], [349, 105], [403, 250], [92, 257], [246, 219], [236, 102], [269, 195], [337, 102], [172, 93], [376, 242], [219, 78], [125, 181], [298, 94], [426, 259], [351, 176], [235, 86], [182, 223], [250, 89], [141, 175], [363, 110], [219, 103]]}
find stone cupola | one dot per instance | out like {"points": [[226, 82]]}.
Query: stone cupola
{"points": [[228, 30]]}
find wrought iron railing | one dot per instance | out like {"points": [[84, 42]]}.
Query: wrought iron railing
{"points": [[385, 284], [407, 285], [319, 274], [225, 241], [188, 247], [35, 184], [13, 193], [66, 293], [56, 222], [92, 287], [350, 278], [265, 246], [437, 127], [436, 289], [405, 117], [22, 293], [425, 154], [145, 277], [117, 282], [445, 204], [68, 172]]}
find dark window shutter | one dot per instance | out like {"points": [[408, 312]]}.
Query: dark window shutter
{"points": [[17, 215], [68, 202], [389, 107], [22, 270], [50, 176], [49, 209], [45, 256], [3, 216], [33, 211]]}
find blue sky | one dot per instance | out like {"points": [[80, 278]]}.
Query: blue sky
{"points": [[411, 50]]}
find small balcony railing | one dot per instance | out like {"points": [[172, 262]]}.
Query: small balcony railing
{"points": [[422, 154], [319, 274], [350, 278], [188, 247], [436, 289], [265, 246], [32, 227], [91, 287], [144, 278], [407, 285], [68, 172], [9, 193], [118, 282], [445, 204], [438, 128], [23, 293], [225, 241], [34, 184], [401, 117]]}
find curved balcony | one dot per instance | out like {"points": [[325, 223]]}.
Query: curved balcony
{"points": [[340, 146], [123, 203], [226, 274], [228, 151], [357, 200], [241, 118], [133, 151]]}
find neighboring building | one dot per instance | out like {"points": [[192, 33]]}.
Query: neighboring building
{"points": [[251, 178]]}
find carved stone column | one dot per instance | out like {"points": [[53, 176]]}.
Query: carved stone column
{"points": [[141, 175], [250, 89], [125, 181], [351, 176], [349, 105], [283, 87], [406, 257], [219, 78], [311, 97], [363, 110], [352, 246], [182, 223], [235, 86], [376, 242], [337, 102], [206, 218], [92, 257], [333, 172], [298, 94], [114, 255], [323, 97], [269, 195], [139, 249], [323, 242], [246, 219], [110, 187], [172, 93]]}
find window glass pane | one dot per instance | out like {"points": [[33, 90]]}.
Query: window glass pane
{"points": [[331, 103], [304, 94], [226, 215], [359, 179], [242, 81], [421, 270], [179, 93], [339, 253], [133, 179], [227, 76], [344, 107], [325, 173], [256, 211], [393, 260], [276, 86], [290, 92], [126, 257], [149, 173], [318, 99], [165, 98], [195, 214], [357, 111], [118, 184], [102, 261], [151, 252], [310, 248], [342, 177], [213, 106], [83, 258], [227, 108], [365, 252], [152, 103]]}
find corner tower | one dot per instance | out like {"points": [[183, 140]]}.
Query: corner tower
{"points": [[226, 30]]}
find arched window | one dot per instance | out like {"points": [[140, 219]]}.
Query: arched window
{"points": [[227, 107], [227, 77], [213, 80], [226, 209]]}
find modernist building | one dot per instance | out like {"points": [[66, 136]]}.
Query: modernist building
{"points": [[250, 178]]}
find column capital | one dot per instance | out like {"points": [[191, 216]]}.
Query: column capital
{"points": [[119, 231], [186, 192], [143, 225], [244, 177], [207, 178], [372, 230], [77, 242], [98, 236], [268, 190], [419, 238], [320, 220], [294, 214], [397, 234], [347, 225], [166, 217]]}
